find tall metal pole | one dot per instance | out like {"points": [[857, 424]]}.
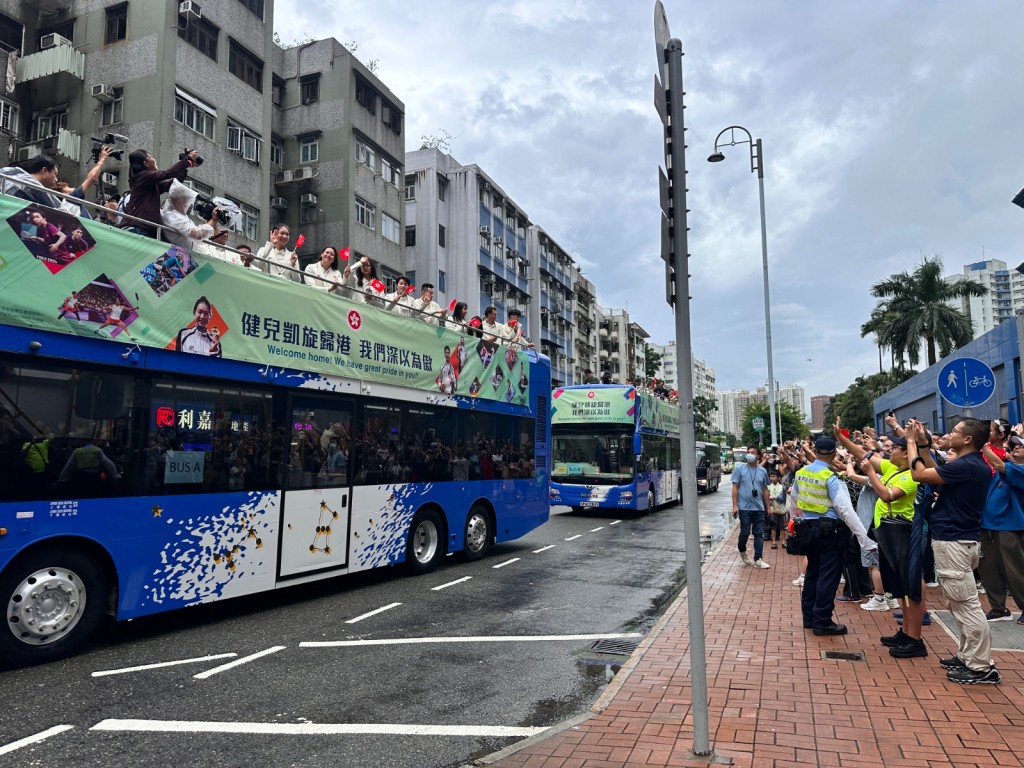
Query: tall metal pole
{"points": [[767, 299], [684, 353]]}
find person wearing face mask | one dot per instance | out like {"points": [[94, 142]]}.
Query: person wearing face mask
{"points": [[750, 503]]}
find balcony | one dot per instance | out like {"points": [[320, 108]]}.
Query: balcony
{"points": [[65, 143], [59, 60]]}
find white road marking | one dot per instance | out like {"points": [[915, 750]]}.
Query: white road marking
{"points": [[34, 739], [614, 522], [573, 538], [595, 530], [373, 613], [507, 562], [450, 584], [312, 729], [238, 662], [544, 549], [159, 664], [477, 639]]}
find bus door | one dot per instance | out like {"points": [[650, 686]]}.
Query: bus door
{"points": [[317, 501]]}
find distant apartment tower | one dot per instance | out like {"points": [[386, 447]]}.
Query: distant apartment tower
{"points": [[466, 235], [794, 395], [1005, 294], [585, 315], [703, 376], [621, 346], [731, 405], [818, 405], [305, 135]]}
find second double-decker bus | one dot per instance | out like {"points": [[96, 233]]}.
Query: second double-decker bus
{"points": [[176, 429], [709, 467], [613, 447]]}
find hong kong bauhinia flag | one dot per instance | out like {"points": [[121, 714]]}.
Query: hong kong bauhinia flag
{"points": [[378, 286], [344, 254], [451, 306]]}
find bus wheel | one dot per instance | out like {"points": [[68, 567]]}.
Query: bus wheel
{"points": [[53, 604], [477, 533], [650, 501], [426, 542]]}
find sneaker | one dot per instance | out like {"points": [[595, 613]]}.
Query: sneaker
{"points": [[893, 603], [931, 583], [912, 649], [775, 546], [1021, 620], [875, 604], [891, 641], [999, 615], [953, 663], [848, 599], [926, 620], [746, 558], [759, 563], [967, 676], [798, 581]]}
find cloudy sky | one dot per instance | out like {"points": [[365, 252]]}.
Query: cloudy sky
{"points": [[890, 130]]}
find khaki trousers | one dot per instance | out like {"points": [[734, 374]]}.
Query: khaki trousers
{"points": [[954, 565]]}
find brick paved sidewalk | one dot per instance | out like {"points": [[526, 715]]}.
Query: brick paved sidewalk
{"points": [[774, 701]]}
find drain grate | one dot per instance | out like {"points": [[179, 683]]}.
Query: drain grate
{"points": [[614, 646], [844, 655]]}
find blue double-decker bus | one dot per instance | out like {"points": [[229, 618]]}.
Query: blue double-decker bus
{"points": [[176, 429], [613, 447]]}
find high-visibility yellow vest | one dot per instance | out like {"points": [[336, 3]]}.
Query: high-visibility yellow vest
{"points": [[812, 490], [87, 458]]}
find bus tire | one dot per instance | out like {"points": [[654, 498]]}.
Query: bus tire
{"points": [[650, 500], [425, 548], [53, 599], [478, 533]]}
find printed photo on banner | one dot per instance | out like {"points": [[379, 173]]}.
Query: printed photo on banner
{"points": [[497, 377], [101, 302], [203, 335], [448, 377], [168, 270], [511, 358], [54, 237], [486, 351]]}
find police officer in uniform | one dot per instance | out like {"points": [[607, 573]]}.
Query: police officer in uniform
{"points": [[828, 521], [89, 471]]}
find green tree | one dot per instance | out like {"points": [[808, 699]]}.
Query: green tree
{"points": [[855, 405], [793, 425], [703, 416], [652, 361], [915, 308]]}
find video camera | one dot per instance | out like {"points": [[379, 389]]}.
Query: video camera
{"points": [[203, 207], [109, 140]]}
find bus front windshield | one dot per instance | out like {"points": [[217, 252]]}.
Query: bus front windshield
{"points": [[592, 454]]}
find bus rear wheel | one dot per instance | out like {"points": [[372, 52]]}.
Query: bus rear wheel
{"points": [[53, 604], [425, 547], [478, 533], [650, 501]]}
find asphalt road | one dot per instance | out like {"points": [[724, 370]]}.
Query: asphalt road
{"points": [[503, 649]]}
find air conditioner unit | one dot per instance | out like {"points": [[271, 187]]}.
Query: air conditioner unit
{"points": [[308, 199], [284, 177], [279, 203], [103, 93], [190, 10], [511, 253], [303, 173], [52, 41], [28, 152], [110, 179], [486, 231], [499, 241]]}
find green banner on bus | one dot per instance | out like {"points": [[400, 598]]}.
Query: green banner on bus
{"points": [[605, 405], [659, 414], [61, 273]]}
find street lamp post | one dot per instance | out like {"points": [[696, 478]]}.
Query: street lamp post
{"points": [[756, 166]]}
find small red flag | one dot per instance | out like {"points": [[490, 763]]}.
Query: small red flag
{"points": [[475, 322], [344, 253], [378, 286], [451, 307], [410, 289], [299, 241]]}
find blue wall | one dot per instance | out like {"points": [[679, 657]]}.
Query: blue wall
{"points": [[919, 397]]}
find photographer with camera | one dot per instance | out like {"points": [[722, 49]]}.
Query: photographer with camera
{"points": [[180, 229], [101, 154], [147, 183]]}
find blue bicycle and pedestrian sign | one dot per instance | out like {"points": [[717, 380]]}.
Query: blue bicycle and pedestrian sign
{"points": [[966, 382]]}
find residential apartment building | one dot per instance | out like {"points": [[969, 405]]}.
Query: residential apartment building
{"points": [[731, 405], [586, 318], [621, 346], [703, 376], [818, 405], [1005, 294], [465, 234], [304, 135], [794, 395]]}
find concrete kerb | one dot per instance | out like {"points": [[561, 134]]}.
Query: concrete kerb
{"points": [[609, 693]]}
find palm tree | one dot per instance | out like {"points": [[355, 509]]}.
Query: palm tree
{"points": [[878, 324], [917, 308]]}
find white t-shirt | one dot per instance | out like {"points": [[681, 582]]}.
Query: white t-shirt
{"points": [[322, 279]]}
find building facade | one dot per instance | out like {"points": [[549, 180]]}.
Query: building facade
{"points": [[818, 405], [1005, 294], [621, 346], [304, 135], [704, 383]]}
